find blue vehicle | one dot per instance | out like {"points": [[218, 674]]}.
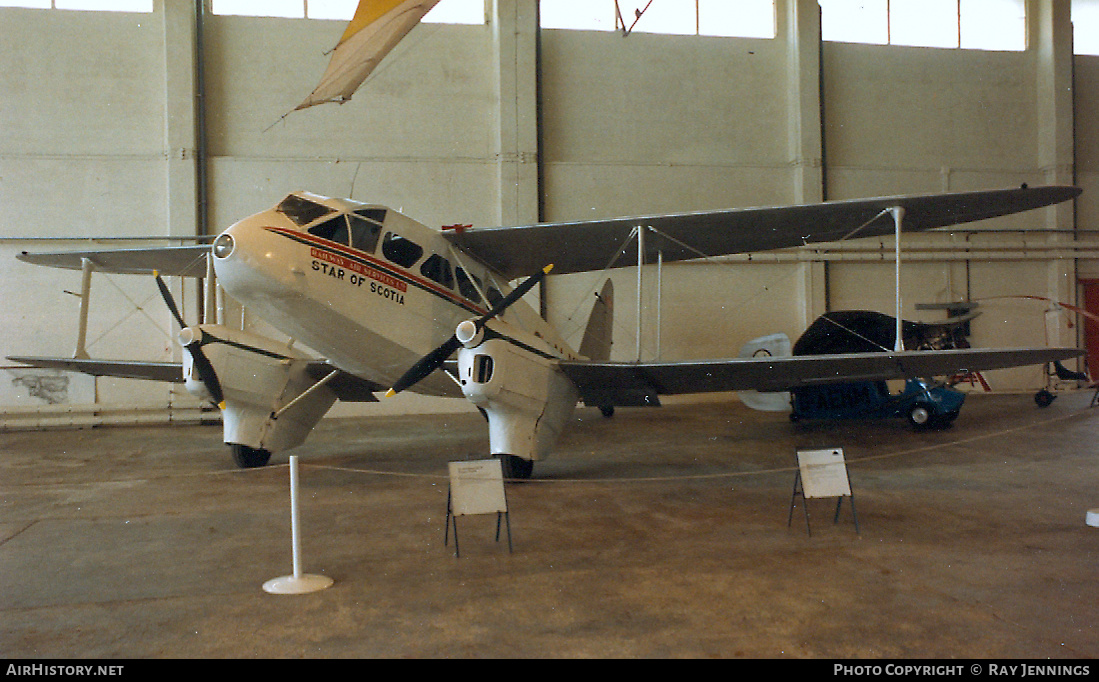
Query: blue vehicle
{"points": [[925, 405]]}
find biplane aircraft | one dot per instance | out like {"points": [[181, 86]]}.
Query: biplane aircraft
{"points": [[389, 304]]}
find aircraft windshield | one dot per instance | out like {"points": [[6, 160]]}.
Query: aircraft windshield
{"points": [[302, 211], [349, 230]]}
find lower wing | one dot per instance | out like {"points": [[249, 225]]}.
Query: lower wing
{"points": [[641, 383]]}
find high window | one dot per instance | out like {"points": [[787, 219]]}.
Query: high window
{"points": [[743, 18], [966, 24], [91, 5], [446, 12], [1085, 26]]}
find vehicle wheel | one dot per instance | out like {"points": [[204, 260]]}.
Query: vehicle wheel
{"points": [[607, 410], [249, 458], [921, 416], [1043, 398], [516, 468]]}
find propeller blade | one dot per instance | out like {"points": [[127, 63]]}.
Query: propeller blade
{"points": [[435, 359], [425, 366], [206, 373], [1067, 306], [198, 357], [168, 299], [516, 293]]}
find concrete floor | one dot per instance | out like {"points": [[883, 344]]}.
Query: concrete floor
{"points": [[658, 533]]}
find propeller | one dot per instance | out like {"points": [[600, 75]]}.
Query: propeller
{"points": [[435, 359], [192, 341], [1076, 309]]}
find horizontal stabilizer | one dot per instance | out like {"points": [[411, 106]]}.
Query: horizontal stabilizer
{"points": [[640, 383]]}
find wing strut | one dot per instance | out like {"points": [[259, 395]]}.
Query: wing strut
{"points": [[898, 218], [86, 268]]}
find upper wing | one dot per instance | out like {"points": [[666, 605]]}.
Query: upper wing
{"points": [[592, 244], [176, 261], [637, 383]]}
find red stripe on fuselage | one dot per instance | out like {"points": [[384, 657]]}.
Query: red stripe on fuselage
{"points": [[334, 250]]}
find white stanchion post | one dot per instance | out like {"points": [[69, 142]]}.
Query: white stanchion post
{"points": [[296, 583]]}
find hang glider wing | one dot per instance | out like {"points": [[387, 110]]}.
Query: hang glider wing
{"points": [[376, 28], [175, 261], [641, 383], [594, 244]]}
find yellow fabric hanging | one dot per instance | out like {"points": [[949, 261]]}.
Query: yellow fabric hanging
{"points": [[376, 28]]}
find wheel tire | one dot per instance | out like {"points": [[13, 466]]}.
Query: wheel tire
{"points": [[1043, 398], [516, 468], [249, 458], [921, 416], [607, 411]]}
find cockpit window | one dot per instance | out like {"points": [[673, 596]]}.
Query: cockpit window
{"points": [[333, 230], [375, 214], [400, 250], [302, 211], [437, 268], [364, 233]]}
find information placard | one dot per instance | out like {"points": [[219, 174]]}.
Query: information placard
{"points": [[823, 473], [477, 487]]}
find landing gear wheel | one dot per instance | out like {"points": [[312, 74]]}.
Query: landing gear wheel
{"points": [[1043, 398], [921, 416], [607, 410], [516, 468], [249, 458]]}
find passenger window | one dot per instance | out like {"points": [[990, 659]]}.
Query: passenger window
{"points": [[364, 234], [494, 296], [437, 268], [466, 285], [400, 250], [333, 230]]}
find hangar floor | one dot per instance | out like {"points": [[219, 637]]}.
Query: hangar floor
{"points": [[658, 533]]}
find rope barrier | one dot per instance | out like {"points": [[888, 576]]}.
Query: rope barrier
{"points": [[576, 481]]}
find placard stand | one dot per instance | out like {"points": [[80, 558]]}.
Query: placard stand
{"points": [[476, 487], [822, 473], [296, 583]]}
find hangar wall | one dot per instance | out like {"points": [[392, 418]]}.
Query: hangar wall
{"points": [[103, 137]]}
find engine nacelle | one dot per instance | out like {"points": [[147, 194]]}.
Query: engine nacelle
{"points": [[528, 401], [258, 377]]}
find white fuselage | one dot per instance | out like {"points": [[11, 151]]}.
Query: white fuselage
{"points": [[371, 303]]}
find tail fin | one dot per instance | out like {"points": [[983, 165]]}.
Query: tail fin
{"points": [[596, 344], [775, 345]]}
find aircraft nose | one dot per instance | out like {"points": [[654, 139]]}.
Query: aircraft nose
{"points": [[250, 256]]}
